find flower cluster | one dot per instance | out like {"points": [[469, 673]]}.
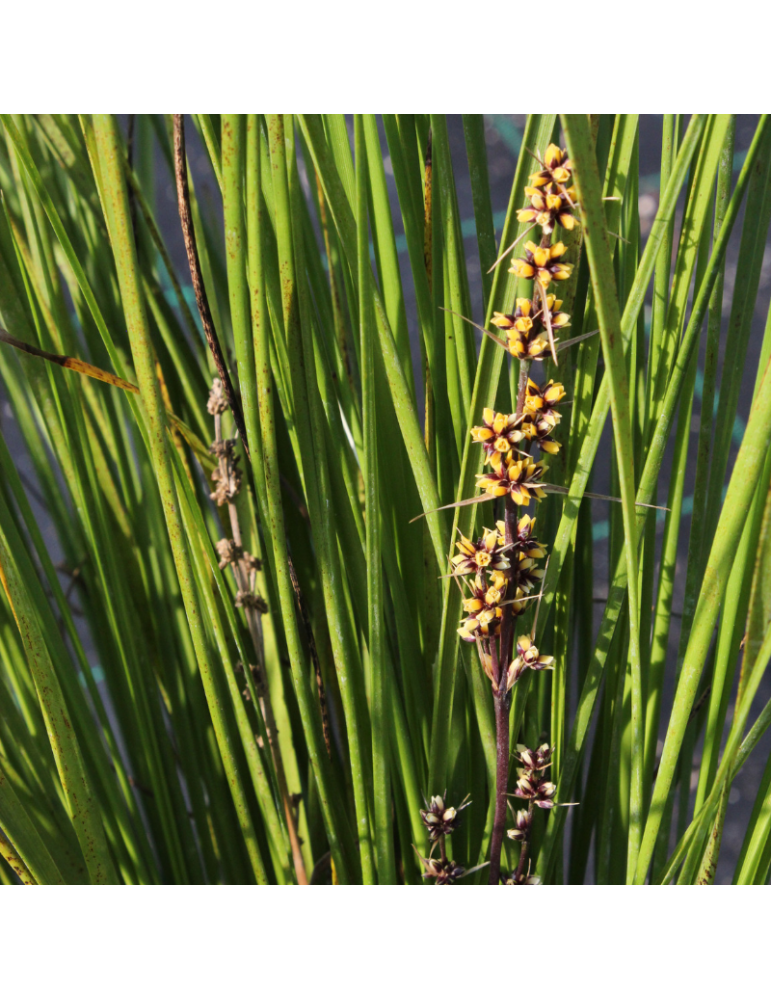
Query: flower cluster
{"points": [[441, 820], [521, 829], [528, 657], [484, 554], [532, 784], [498, 435], [500, 570], [442, 870], [547, 208], [557, 170], [518, 479], [512, 469], [528, 551], [526, 330], [541, 415], [551, 201], [543, 264], [483, 606], [486, 560]]}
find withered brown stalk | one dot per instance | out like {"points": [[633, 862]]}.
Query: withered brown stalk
{"points": [[202, 301], [242, 572]]}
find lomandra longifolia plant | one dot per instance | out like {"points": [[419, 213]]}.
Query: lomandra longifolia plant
{"points": [[304, 582]]}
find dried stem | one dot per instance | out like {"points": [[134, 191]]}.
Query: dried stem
{"points": [[186, 218]]}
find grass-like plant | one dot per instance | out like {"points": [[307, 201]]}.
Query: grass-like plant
{"points": [[241, 545]]}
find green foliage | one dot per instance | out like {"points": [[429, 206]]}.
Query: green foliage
{"points": [[172, 713]]}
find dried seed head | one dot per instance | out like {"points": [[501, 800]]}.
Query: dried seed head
{"points": [[228, 485], [246, 599], [228, 551], [224, 449], [258, 680], [226, 489], [217, 400], [252, 563]]}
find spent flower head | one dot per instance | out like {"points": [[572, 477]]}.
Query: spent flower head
{"points": [[217, 402]]}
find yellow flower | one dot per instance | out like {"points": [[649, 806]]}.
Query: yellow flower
{"points": [[527, 657], [498, 436], [544, 398], [537, 428], [541, 403], [518, 479], [482, 607], [548, 444], [483, 554], [557, 168], [526, 330], [549, 207], [542, 263]]}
